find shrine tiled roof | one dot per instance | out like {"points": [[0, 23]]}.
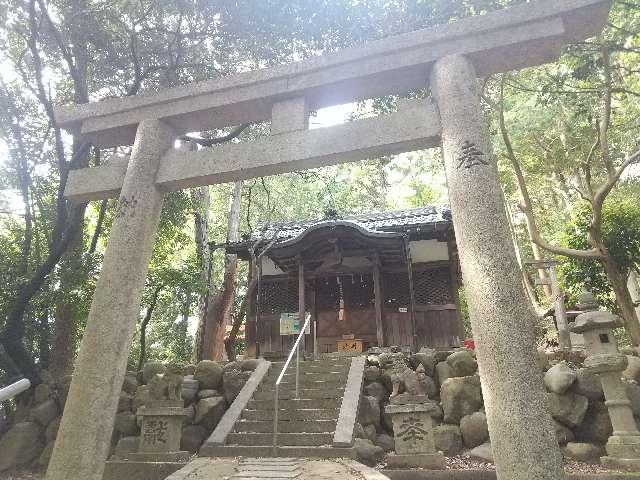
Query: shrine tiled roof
{"points": [[409, 221]]}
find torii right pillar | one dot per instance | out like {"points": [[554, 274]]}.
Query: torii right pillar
{"points": [[522, 437]]}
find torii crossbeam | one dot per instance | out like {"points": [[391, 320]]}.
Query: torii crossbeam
{"points": [[448, 59]]}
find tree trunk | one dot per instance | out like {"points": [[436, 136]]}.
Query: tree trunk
{"points": [[527, 205], [230, 342], [219, 309], [526, 281], [633, 285], [618, 283], [65, 330], [44, 341], [143, 327], [202, 202], [12, 335]]}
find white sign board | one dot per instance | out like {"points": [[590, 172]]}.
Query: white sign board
{"points": [[290, 325]]}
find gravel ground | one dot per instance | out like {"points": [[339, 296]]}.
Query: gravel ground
{"points": [[570, 466], [22, 475]]}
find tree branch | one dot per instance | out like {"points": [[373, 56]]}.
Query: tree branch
{"points": [[209, 142], [143, 326], [605, 121], [527, 206]]}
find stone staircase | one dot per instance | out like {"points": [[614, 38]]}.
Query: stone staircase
{"points": [[306, 426]]}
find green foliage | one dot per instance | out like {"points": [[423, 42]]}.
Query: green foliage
{"points": [[553, 115], [464, 313], [621, 232], [128, 47]]}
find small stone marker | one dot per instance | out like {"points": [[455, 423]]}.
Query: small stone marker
{"points": [[413, 431], [604, 359], [161, 428], [162, 419], [159, 451]]}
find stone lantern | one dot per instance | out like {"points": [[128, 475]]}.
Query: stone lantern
{"points": [[604, 359]]}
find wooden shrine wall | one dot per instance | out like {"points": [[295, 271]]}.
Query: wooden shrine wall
{"points": [[437, 327], [361, 323], [437, 319]]}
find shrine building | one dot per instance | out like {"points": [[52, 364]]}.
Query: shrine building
{"points": [[381, 279]]}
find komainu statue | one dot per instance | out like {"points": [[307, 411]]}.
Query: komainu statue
{"points": [[167, 386]]}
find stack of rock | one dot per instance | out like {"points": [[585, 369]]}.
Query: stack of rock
{"points": [[576, 403], [449, 378], [207, 389], [576, 400], [33, 427]]}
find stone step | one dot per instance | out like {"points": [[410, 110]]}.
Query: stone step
{"points": [[270, 452], [290, 384], [288, 439], [302, 393], [311, 363], [266, 475], [335, 377], [312, 367], [300, 414], [324, 376], [290, 375], [295, 404], [286, 426], [266, 465]]}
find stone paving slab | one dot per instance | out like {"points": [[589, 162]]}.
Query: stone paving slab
{"points": [[268, 461], [267, 474], [309, 469], [275, 469], [271, 467]]}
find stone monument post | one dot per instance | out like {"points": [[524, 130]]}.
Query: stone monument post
{"points": [[413, 434], [162, 420], [84, 437], [411, 413], [522, 438], [623, 447]]}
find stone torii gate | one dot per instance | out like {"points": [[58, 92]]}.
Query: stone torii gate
{"points": [[448, 59]]}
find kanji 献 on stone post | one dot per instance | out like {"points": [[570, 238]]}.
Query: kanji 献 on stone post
{"points": [[84, 437]]}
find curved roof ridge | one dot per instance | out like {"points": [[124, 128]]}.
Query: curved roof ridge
{"points": [[362, 229]]}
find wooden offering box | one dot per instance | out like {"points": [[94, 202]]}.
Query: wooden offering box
{"points": [[351, 345]]}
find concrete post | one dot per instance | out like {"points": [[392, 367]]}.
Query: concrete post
{"points": [[564, 337], [522, 438], [633, 284], [85, 432]]}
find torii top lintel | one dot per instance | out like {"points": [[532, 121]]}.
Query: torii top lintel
{"points": [[510, 39]]}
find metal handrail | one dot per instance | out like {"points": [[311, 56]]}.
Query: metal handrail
{"points": [[10, 391], [295, 348]]}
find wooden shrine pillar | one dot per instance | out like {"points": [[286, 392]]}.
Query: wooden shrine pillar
{"points": [[258, 272], [301, 309], [412, 300], [314, 319], [377, 294], [454, 284]]}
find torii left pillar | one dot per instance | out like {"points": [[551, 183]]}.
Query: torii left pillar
{"points": [[85, 432]]}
